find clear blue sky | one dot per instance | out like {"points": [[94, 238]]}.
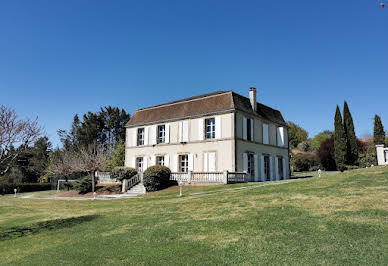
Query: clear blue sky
{"points": [[58, 58]]}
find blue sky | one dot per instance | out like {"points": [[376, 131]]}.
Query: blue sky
{"points": [[58, 58]]}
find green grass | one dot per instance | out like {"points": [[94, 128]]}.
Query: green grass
{"points": [[338, 219]]}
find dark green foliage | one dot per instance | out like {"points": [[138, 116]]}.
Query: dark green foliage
{"points": [[157, 178], [8, 188], [84, 185], [325, 154], [122, 173], [339, 141], [351, 139], [304, 162], [296, 134], [378, 131], [305, 146]]}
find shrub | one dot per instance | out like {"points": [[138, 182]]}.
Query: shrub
{"points": [[368, 156], [84, 185], [325, 154], [7, 188], [304, 162], [157, 178], [121, 173], [351, 167]]}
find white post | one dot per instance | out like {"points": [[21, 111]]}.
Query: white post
{"points": [[58, 186], [190, 174], [226, 176], [180, 189], [124, 185], [94, 195], [15, 190], [319, 173]]}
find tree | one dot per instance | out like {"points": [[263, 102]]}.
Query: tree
{"points": [[378, 131], [325, 154], [339, 141], [70, 139], [15, 131], [320, 138], [296, 134], [351, 139], [118, 156]]}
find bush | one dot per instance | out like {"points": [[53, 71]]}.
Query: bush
{"points": [[121, 173], [368, 156], [7, 188], [157, 178], [84, 185], [351, 167], [325, 154], [304, 162]]}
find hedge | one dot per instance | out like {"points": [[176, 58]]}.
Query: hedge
{"points": [[121, 173], [7, 188], [157, 178]]}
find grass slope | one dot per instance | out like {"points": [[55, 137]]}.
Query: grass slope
{"points": [[338, 219]]}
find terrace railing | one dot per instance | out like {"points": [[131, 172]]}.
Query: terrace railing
{"points": [[209, 177]]}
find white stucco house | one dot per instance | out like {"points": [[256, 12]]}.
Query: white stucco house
{"points": [[215, 132], [382, 155]]}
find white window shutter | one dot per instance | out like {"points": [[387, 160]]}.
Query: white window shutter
{"points": [[212, 162], [153, 160], [245, 162], [265, 134], [205, 162], [145, 163], [146, 132], [282, 136], [153, 134], [180, 130], [244, 128], [218, 127], [133, 162], [167, 160], [252, 136], [167, 127], [263, 177], [277, 168], [270, 168], [191, 162], [175, 163], [201, 130], [256, 167], [134, 136], [186, 131], [285, 170]]}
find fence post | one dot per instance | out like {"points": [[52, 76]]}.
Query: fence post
{"points": [[190, 173], [226, 173]]}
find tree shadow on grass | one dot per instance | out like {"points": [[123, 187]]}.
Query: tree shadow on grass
{"points": [[300, 177], [15, 232]]}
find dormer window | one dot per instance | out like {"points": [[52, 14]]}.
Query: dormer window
{"points": [[210, 127]]}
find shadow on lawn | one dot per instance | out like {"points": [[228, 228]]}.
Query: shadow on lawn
{"points": [[15, 232], [300, 177]]}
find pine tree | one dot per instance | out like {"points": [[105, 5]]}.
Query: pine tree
{"points": [[339, 141], [351, 139], [378, 131]]}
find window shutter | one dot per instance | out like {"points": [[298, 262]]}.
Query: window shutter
{"points": [[245, 162], [175, 163], [218, 127], [244, 128], [153, 160], [252, 137], [145, 163], [186, 131], [134, 136], [212, 162], [205, 162], [276, 168], [265, 134], [280, 136], [285, 170], [167, 160], [270, 168], [256, 167], [146, 129], [167, 126], [201, 130], [133, 162], [191, 161], [263, 177], [153, 134], [180, 128]]}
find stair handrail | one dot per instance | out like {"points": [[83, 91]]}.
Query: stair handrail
{"points": [[133, 181]]}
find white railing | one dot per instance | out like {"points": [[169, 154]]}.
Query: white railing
{"points": [[104, 177], [210, 177], [133, 181]]}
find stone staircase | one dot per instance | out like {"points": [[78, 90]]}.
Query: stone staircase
{"points": [[136, 190]]}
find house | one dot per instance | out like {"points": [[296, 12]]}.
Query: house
{"points": [[215, 132], [382, 155]]}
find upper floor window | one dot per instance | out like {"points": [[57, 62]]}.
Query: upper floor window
{"points": [[184, 163], [210, 129], [249, 129], [265, 134], [140, 136], [161, 134]]}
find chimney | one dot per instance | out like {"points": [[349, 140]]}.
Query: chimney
{"points": [[252, 98]]}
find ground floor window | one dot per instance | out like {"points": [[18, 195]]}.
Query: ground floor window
{"points": [[251, 165], [160, 160], [267, 168], [184, 163], [280, 167], [139, 164]]}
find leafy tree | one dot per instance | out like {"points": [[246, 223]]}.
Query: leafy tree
{"points": [[378, 131], [325, 154], [118, 156], [296, 134], [70, 139], [351, 139], [339, 141], [305, 146], [320, 138]]}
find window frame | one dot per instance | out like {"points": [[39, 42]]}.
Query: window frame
{"points": [[139, 161], [140, 136], [211, 134], [280, 167], [251, 164], [183, 163], [267, 167], [161, 134], [162, 160]]}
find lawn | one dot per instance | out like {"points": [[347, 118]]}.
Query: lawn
{"points": [[338, 219]]}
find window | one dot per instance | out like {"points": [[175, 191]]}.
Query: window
{"points": [[140, 136], [161, 134], [160, 160], [249, 129], [251, 165], [210, 124], [183, 163], [209, 162], [139, 164], [266, 167], [280, 167]]}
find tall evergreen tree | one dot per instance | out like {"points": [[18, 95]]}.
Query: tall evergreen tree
{"points": [[339, 141], [378, 131], [351, 139]]}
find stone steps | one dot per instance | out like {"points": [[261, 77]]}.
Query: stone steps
{"points": [[138, 189]]}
